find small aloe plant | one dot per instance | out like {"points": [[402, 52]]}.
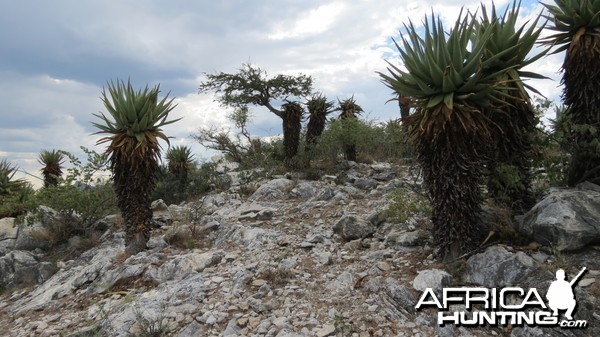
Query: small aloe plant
{"points": [[52, 162]]}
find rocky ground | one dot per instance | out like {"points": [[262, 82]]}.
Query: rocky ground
{"points": [[292, 258]]}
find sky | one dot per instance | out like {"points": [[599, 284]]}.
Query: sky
{"points": [[56, 57]]}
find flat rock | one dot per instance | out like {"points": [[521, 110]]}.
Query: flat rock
{"points": [[326, 330]]}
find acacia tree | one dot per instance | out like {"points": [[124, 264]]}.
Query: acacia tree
{"points": [[252, 86]]}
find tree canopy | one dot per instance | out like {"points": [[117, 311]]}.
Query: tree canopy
{"points": [[252, 85]]}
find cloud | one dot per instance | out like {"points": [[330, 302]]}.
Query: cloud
{"points": [[312, 22], [58, 55]]}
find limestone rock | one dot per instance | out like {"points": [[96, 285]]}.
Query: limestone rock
{"points": [[567, 219], [8, 235], [159, 206], [497, 267], [435, 279], [365, 184], [181, 266], [22, 268], [326, 330], [272, 190], [351, 227]]}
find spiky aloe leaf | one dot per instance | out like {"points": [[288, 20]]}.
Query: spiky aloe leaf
{"points": [[571, 19], [441, 68], [349, 108], [505, 34], [8, 184], [133, 112]]}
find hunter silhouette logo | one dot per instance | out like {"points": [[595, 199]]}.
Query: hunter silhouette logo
{"points": [[506, 306], [560, 294]]}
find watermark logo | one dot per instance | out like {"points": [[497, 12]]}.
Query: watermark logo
{"points": [[511, 305]]}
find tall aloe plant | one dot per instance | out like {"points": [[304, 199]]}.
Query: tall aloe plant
{"points": [[52, 170], [349, 111], [180, 162], [577, 27], [292, 118], [514, 118], [449, 126], [134, 126], [318, 108]]}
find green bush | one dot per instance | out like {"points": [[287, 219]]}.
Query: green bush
{"points": [[550, 150], [200, 180], [15, 203], [81, 199], [404, 204], [374, 142]]}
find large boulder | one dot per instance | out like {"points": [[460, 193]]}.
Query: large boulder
{"points": [[22, 268], [273, 190], [8, 235], [567, 219], [497, 267]]}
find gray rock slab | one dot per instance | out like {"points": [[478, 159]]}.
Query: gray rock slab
{"points": [[497, 267], [567, 219]]}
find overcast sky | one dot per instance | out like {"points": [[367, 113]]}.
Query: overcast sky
{"points": [[56, 56]]}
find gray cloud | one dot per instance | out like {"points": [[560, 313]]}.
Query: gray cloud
{"points": [[56, 56]]}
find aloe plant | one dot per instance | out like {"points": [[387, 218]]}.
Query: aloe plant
{"points": [[292, 118], [577, 32], [180, 162], [8, 184], [449, 127], [134, 123], [52, 170], [514, 117], [318, 108], [349, 110]]}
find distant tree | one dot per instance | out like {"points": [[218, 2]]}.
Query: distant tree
{"points": [[292, 119], [52, 170], [577, 27], [318, 109], [349, 110], [252, 86], [180, 162]]}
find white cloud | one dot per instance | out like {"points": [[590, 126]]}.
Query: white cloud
{"points": [[64, 52], [314, 21]]}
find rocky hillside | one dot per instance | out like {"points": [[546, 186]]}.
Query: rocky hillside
{"points": [[290, 257]]}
